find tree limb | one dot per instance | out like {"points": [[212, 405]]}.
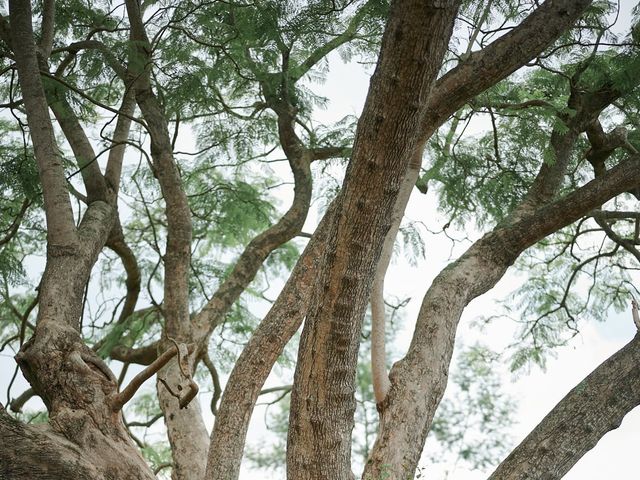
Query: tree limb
{"points": [[17, 403], [60, 223], [486, 67], [121, 398], [594, 407]]}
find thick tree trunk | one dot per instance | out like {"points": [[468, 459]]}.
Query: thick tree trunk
{"points": [[475, 75], [322, 402], [37, 452], [594, 407], [187, 434]]}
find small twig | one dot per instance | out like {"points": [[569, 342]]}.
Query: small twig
{"points": [[282, 388], [146, 424], [17, 403], [120, 399], [162, 466]]}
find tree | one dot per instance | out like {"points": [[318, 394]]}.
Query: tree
{"points": [[200, 235]]}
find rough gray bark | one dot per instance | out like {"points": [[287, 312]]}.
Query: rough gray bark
{"points": [[477, 72], [36, 452], [419, 379], [592, 408], [322, 403]]}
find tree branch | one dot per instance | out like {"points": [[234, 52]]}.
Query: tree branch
{"points": [[594, 407], [121, 398], [60, 223], [15, 224], [48, 27], [83, 151], [17, 403], [141, 356], [318, 54], [486, 67], [257, 358], [113, 170]]}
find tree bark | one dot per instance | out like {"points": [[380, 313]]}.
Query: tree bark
{"points": [[322, 402], [75, 385], [592, 408], [257, 358], [36, 452], [476, 73], [57, 206]]}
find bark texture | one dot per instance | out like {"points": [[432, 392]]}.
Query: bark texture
{"points": [[419, 379], [592, 408], [322, 402], [36, 452], [476, 73]]}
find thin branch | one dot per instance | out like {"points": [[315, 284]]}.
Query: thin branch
{"points": [[120, 399], [48, 27], [282, 388], [146, 424], [215, 377], [13, 228], [17, 403]]}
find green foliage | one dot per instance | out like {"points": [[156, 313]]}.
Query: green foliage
{"points": [[137, 328], [412, 242], [222, 72], [33, 417]]}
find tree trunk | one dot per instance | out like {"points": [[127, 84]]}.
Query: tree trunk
{"points": [[322, 402], [254, 364], [185, 427], [419, 379], [74, 383], [37, 452]]}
